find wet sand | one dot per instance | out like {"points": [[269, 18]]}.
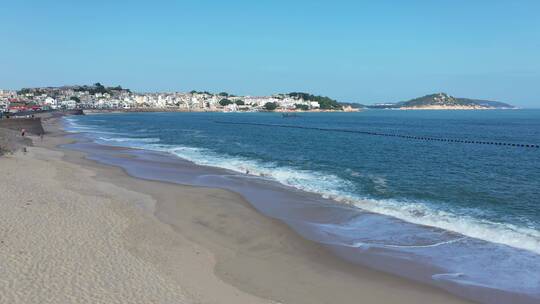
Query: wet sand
{"points": [[78, 231]]}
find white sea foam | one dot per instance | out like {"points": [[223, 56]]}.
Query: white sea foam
{"points": [[78, 129], [418, 213], [129, 139], [106, 136], [332, 187], [302, 179], [72, 126]]}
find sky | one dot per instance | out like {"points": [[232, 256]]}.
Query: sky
{"points": [[353, 51]]}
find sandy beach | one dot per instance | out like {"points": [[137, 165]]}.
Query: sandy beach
{"points": [[75, 231]]}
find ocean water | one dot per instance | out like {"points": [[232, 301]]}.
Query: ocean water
{"points": [[420, 186]]}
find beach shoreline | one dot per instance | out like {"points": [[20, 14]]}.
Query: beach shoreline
{"points": [[209, 243]]}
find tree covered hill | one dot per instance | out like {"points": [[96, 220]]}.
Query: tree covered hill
{"points": [[326, 103], [445, 101]]}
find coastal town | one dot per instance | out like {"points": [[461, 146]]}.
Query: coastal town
{"points": [[98, 97]]}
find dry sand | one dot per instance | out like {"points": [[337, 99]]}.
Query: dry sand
{"points": [[11, 141], [73, 231]]}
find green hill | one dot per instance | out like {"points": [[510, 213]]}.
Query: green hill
{"points": [[444, 100], [326, 103]]}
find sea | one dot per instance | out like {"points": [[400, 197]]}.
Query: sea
{"points": [[448, 198]]}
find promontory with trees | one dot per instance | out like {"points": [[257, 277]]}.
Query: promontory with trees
{"points": [[443, 101]]}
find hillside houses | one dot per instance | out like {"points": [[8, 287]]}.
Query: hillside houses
{"points": [[98, 96]]}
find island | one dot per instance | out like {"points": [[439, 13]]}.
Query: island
{"points": [[443, 101]]}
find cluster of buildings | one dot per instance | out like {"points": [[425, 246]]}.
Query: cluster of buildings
{"points": [[18, 101], [201, 101], [99, 97]]}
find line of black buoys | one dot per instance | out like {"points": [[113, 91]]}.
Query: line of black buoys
{"points": [[383, 134]]}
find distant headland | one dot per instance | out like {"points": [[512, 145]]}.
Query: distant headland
{"points": [[443, 101]]}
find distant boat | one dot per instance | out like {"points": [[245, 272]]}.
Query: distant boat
{"points": [[289, 115]]}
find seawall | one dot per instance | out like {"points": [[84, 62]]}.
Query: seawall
{"points": [[31, 125]]}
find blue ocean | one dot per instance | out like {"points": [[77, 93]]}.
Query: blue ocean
{"points": [[456, 190]]}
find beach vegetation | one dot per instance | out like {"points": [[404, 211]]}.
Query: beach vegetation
{"points": [[99, 88], [24, 91], [200, 92], [302, 107], [225, 102], [326, 103], [76, 99], [270, 106]]}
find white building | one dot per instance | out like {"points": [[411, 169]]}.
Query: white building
{"points": [[7, 94], [231, 107], [50, 102], [69, 104]]}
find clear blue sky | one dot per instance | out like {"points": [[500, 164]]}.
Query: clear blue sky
{"points": [[358, 51]]}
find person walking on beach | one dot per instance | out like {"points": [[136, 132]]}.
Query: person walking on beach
{"points": [[23, 132]]}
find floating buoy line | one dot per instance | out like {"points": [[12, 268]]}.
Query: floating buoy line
{"points": [[425, 138]]}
